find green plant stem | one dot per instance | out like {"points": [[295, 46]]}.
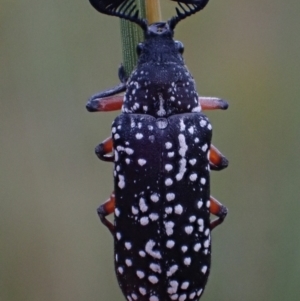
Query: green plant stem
{"points": [[132, 34]]}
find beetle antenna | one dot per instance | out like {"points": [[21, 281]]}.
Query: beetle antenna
{"points": [[124, 9], [188, 8]]}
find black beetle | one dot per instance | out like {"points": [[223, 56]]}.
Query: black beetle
{"points": [[162, 156]]}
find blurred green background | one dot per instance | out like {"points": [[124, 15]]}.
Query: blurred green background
{"points": [[54, 55]]}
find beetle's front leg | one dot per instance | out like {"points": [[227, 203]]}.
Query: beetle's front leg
{"points": [[219, 210], [105, 209], [217, 160], [104, 149], [108, 100], [212, 103]]}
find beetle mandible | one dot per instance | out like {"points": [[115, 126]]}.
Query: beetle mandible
{"points": [[162, 153]]}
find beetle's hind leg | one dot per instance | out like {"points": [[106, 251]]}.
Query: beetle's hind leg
{"points": [[217, 160], [216, 208], [105, 209]]}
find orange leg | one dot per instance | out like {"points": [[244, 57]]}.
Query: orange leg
{"points": [[105, 104], [212, 103], [217, 161], [105, 209], [216, 208], [103, 149]]}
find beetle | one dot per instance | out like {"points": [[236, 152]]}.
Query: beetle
{"points": [[162, 153]]}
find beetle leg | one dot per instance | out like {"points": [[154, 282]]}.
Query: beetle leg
{"points": [[217, 161], [105, 209], [217, 209], [103, 149], [108, 100], [212, 103]]}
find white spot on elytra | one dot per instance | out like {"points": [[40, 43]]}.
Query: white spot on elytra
{"points": [[208, 204], [154, 197], [127, 160], [139, 136], [197, 247], [203, 123], [174, 297], [182, 125], [192, 161], [129, 151], [170, 244], [149, 249], [192, 218], [191, 130], [142, 204], [169, 227], [188, 229], [184, 249], [182, 169], [172, 270], [185, 285], [182, 297], [128, 262], [168, 182], [120, 270], [169, 210], [192, 295], [173, 287], [204, 147], [144, 221], [168, 167], [168, 145], [155, 267], [142, 162], [134, 296], [201, 224], [121, 183], [142, 253], [153, 216], [203, 181], [134, 210], [204, 269], [118, 235], [140, 274], [183, 146], [209, 127], [128, 245], [153, 279], [117, 212], [187, 261], [170, 154], [153, 298], [170, 196], [142, 291], [199, 204], [178, 209], [193, 177], [206, 243], [199, 292]]}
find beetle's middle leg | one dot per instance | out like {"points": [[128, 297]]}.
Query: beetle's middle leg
{"points": [[105, 209], [216, 208]]}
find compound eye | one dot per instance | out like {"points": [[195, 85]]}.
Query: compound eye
{"points": [[179, 47], [139, 48]]}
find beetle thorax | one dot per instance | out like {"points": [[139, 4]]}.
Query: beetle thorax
{"points": [[160, 85]]}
